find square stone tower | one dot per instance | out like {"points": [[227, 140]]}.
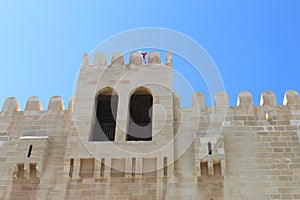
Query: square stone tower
{"points": [[123, 113]]}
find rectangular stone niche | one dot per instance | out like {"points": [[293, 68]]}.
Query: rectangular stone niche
{"points": [[31, 153], [87, 167], [117, 167], [149, 167]]}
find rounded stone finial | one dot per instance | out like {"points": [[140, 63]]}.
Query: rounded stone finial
{"points": [[85, 59], [198, 99], [291, 97], [33, 104], [221, 99], [169, 58], [135, 58], [244, 99], [268, 98], [99, 59], [117, 58], [71, 103], [154, 57], [10, 105], [56, 103]]}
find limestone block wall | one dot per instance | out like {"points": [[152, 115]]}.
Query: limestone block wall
{"points": [[217, 152], [261, 146], [256, 156], [262, 149], [255, 152], [124, 79], [32, 148]]}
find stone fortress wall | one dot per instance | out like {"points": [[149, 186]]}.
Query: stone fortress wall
{"points": [[47, 154]]}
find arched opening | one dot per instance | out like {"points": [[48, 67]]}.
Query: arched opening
{"points": [[106, 114], [140, 116]]}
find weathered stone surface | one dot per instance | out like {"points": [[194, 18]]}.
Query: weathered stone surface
{"points": [[56, 103], [291, 97], [85, 59], [135, 58], [33, 104], [50, 155], [154, 57], [221, 99], [245, 99], [198, 100], [117, 58], [169, 58], [268, 98], [11, 104], [100, 59]]}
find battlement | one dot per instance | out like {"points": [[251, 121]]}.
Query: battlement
{"points": [[244, 99], [33, 104], [118, 59]]}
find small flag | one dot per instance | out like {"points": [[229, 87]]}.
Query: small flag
{"points": [[143, 55]]}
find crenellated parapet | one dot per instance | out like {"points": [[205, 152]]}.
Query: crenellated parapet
{"points": [[33, 120], [100, 59], [33, 104], [244, 99]]}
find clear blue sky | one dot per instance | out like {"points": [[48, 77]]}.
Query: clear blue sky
{"points": [[255, 44]]}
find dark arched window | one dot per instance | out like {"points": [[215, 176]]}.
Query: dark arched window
{"points": [[140, 116], [106, 115]]}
